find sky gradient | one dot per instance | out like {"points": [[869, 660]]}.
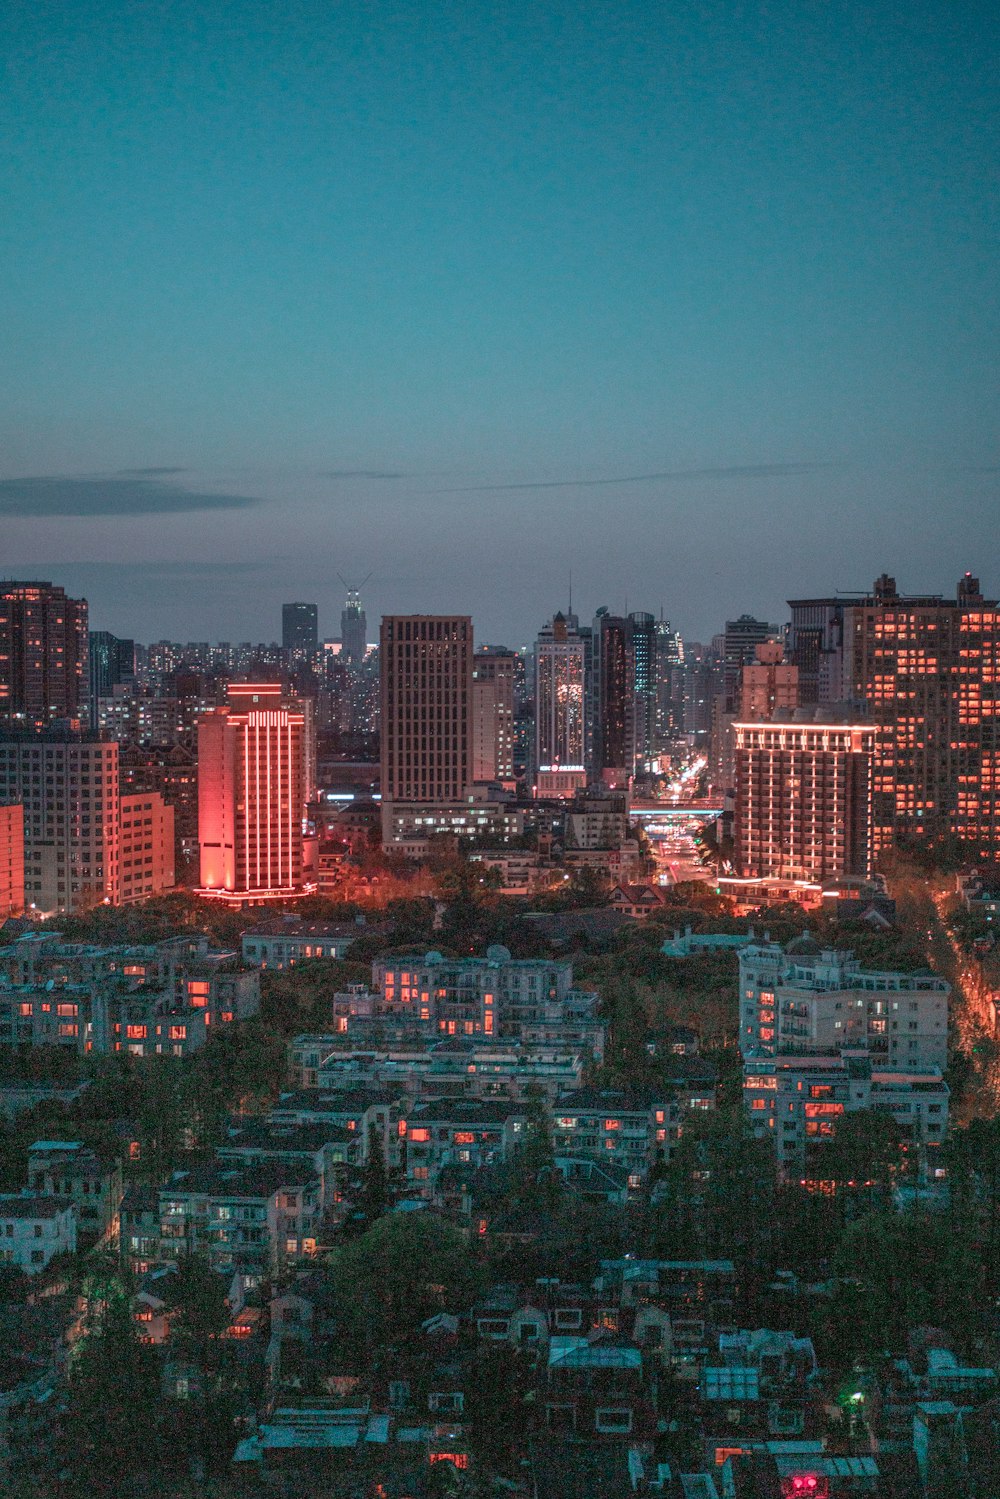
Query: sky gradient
{"points": [[701, 301]]}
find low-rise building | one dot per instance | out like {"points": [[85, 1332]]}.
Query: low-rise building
{"points": [[437, 1133], [637, 1130], [33, 1229], [494, 996], [67, 1172], [285, 941], [803, 998], [798, 1101], [257, 1218]]}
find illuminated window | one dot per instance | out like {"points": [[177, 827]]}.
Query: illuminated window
{"points": [[420, 1135]]}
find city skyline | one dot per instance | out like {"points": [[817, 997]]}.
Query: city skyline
{"points": [[690, 303]]}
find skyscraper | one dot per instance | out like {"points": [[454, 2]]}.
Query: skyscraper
{"points": [[929, 669], [300, 629], [614, 670], [43, 655], [643, 644], [353, 629], [493, 714], [252, 790], [69, 791], [803, 800], [426, 692], [740, 641], [561, 729], [112, 663]]}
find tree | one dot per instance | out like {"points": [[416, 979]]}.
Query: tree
{"points": [[114, 1395], [375, 1197], [406, 1267]]}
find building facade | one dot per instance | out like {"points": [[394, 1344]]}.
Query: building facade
{"points": [[253, 765], [426, 665], [561, 748], [43, 656], [803, 806], [11, 859], [300, 629], [493, 715], [70, 794], [805, 999]]}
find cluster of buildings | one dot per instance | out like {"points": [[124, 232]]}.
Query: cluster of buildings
{"points": [[823, 1038], [164, 999], [868, 717]]}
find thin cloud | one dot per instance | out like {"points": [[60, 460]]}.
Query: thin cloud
{"points": [[361, 473], [732, 471], [139, 473], [51, 496]]}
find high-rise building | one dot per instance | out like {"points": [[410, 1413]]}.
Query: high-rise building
{"points": [[493, 714], [426, 692], [253, 782], [146, 847], [803, 800], [815, 638], [11, 859], [670, 681], [300, 629], [353, 629], [643, 644], [929, 670], [739, 644], [769, 685], [562, 671], [614, 671], [112, 664], [69, 791], [43, 656]]}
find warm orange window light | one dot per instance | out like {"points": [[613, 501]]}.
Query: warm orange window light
{"points": [[465, 1137], [612, 1124], [420, 1135], [136, 1032]]}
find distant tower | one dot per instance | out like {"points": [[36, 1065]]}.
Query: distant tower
{"points": [[300, 628], [353, 625]]}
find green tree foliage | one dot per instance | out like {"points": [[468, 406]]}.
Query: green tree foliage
{"points": [[111, 1436], [405, 1268]]}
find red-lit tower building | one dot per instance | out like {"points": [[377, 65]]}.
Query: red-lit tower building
{"points": [[253, 784]]}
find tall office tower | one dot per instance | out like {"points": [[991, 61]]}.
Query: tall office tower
{"points": [[929, 669], [769, 686], [69, 791], [814, 646], [739, 643], [614, 671], [353, 629], [669, 684], [300, 629], [562, 664], [426, 692], [112, 664], [702, 684], [43, 656], [803, 800], [11, 859], [643, 639], [493, 714], [252, 790]]}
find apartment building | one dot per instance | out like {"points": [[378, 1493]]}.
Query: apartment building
{"points": [[68, 1172], [802, 998], [161, 999], [33, 1230], [256, 1218], [494, 996], [636, 1130], [798, 1101], [436, 1133], [11, 859]]}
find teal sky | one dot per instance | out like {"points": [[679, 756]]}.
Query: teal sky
{"points": [[287, 291]]}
